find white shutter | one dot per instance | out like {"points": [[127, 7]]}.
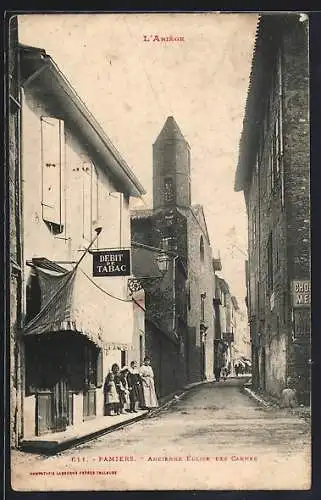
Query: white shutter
{"points": [[114, 226], [87, 209], [52, 142]]}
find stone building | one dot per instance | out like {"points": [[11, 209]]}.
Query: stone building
{"points": [[176, 226], [14, 212], [241, 346], [225, 306], [163, 299], [273, 173], [76, 189]]}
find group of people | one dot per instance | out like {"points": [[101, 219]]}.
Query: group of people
{"points": [[221, 373], [128, 388], [238, 369]]}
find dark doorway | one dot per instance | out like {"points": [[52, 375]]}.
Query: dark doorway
{"points": [[263, 363], [186, 356], [57, 366], [203, 361]]}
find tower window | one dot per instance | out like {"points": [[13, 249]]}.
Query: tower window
{"points": [[168, 190]]}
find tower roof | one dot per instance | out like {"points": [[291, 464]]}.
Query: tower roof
{"points": [[170, 132]]}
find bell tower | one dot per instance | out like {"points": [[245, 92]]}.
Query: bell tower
{"points": [[171, 168]]}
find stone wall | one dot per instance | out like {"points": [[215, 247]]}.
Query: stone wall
{"points": [[278, 210]]}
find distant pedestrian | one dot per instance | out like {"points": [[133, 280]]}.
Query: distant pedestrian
{"points": [[217, 373], [135, 387], [289, 395], [111, 397], [224, 373], [237, 370], [148, 385]]}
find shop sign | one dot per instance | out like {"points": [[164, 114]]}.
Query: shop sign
{"points": [[111, 263], [301, 293]]}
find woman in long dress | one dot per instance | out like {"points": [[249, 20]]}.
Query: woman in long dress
{"points": [[147, 378]]}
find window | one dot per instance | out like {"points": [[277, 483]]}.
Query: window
{"points": [[270, 263], [141, 349], [279, 73], [254, 228], [277, 139], [52, 155], [277, 248], [189, 304], [257, 164], [203, 296], [276, 151], [169, 244], [87, 185], [168, 190], [33, 297], [86, 169], [91, 365], [202, 250], [123, 361]]}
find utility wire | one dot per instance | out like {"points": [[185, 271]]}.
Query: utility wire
{"points": [[104, 291]]}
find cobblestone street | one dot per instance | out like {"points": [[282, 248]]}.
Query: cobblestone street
{"points": [[215, 437]]}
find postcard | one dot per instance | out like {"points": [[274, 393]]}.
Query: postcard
{"points": [[159, 230]]}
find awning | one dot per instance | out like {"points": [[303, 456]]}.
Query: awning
{"points": [[71, 301]]}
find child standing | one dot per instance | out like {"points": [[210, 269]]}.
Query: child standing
{"points": [[119, 388], [110, 395]]}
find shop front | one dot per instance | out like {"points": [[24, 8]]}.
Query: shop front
{"points": [[69, 343]]}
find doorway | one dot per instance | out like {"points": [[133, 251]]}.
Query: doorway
{"points": [[263, 363], [203, 360]]}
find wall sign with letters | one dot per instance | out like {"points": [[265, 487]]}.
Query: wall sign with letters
{"points": [[301, 293], [111, 263]]}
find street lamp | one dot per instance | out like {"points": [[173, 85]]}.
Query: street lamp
{"points": [[137, 283]]}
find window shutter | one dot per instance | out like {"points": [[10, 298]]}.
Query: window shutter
{"points": [[87, 208], [100, 375], [113, 226], [52, 142]]}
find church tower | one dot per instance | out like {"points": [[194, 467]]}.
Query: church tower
{"points": [[171, 168]]}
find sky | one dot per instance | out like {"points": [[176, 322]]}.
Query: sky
{"points": [[131, 86]]}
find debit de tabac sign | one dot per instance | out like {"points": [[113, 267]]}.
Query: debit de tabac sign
{"points": [[301, 293], [111, 263]]}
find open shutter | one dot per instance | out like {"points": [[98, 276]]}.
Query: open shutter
{"points": [[52, 141], [87, 202]]}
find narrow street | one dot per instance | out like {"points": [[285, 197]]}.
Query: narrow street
{"points": [[215, 437]]}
